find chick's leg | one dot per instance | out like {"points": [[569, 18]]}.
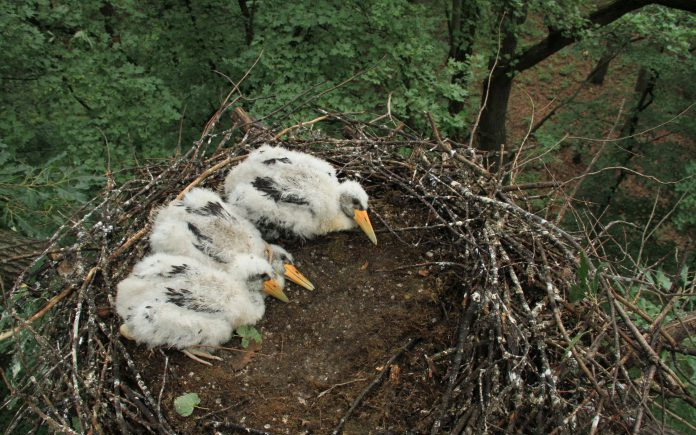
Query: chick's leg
{"points": [[194, 354]]}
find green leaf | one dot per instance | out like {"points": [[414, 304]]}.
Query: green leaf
{"points": [[584, 269], [404, 152], [573, 342], [685, 275], [183, 405], [594, 287], [663, 280], [248, 332], [75, 423], [576, 292]]}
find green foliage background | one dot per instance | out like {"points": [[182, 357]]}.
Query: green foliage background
{"points": [[139, 79], [86, 84]]}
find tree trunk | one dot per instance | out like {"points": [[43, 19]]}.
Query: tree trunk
{"points": [[491, 132], [495, 95], [596, 77], [645, 86], [462, 31], [248, 15]]}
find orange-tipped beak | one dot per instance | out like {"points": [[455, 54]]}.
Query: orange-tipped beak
{"points": [[364, 223], [295, 276], [272, 287]]}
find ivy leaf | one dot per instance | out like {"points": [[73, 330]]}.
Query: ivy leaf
{"points": [[248, 332], [183, 405]]}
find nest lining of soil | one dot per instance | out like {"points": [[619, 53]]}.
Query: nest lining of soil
{"points": [[457, 322]]}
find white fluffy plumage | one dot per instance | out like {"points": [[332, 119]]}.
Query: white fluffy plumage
{"points": [[204, 227], [176, 301], [289, 192]]}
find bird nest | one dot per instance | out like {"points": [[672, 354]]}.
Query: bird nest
{"points": [[460, 318]]}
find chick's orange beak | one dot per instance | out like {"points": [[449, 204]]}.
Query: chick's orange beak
{"points": [[295, 276], [272, 287], [364, 223]]}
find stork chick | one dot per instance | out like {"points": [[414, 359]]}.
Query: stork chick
{"points": [[282, 260], [176, 301], [204, 227], [289, 192]]}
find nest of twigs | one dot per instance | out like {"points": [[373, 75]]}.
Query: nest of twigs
{"points": [[524, 359]]}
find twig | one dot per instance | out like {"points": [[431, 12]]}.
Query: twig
{"points": [[453, 153], [539, 185], [236, 427], [207, 174], [587, 170], [164, 382], [339, 427], [640, 133], [45, 309], [339, 385], [427, 263], [473, 307], [300, 125], [131, 240]]}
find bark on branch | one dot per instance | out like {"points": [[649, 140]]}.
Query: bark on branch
{"points": [[606, 14]]}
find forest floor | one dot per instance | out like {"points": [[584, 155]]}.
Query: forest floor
{"points": [[541, 89], [324, 347]]}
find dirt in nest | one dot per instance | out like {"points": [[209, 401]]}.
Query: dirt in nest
{"points": [[326, 346]]}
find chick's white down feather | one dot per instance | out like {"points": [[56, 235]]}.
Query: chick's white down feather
{"points": [[284, 191], [176, 301], [204, 227]]}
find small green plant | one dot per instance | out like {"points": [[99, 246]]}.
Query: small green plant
{"points": [[248, 333], [184, 405], [585, 286], [650, 300], [404, 152]]}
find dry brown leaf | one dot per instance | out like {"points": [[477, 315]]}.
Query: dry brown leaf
{"points": [[243, 358], [395, 374], [423, 272], [364, 266]]}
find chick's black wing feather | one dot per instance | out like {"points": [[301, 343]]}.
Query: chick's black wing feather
{"points": [[273, 190], [212, 208], [274, 161], [185, 299], [204, 243]]}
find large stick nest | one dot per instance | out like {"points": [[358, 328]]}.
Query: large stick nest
{"points": [[523, 358]]}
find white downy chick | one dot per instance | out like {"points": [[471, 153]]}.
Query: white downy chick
{"points": [[179, 302], [289, 192], [203, 226]]}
